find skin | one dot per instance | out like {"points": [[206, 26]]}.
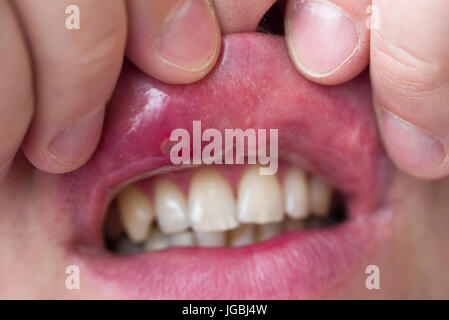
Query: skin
{"points": [[409, 77]]}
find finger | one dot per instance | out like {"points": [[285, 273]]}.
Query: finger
{"points": [[175, 41], [16, 93], [328, 40], [75, 73], [410, 78]]}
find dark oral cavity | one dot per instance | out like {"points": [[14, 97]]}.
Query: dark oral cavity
{"points": [[328, 131]]}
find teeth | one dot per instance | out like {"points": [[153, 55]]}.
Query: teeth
{"points": [[211, 217], [296, 193], [156, 241], [320, 197], [210, 239], [170, 206], [242, 236], [183, 239], [136, 213], [268, 231], [291, 224], [259, 198], [211, 202]]}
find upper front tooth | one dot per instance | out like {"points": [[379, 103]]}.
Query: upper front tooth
{"points": [[136, 213], [211, 203], [296, 193], [320, 196], [260, 198], [171, 207]]}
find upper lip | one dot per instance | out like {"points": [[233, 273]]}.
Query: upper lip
{"points": [[327, 130]]}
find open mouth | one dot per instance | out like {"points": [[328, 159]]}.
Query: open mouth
{"points": [[213, 207], [149, 229]]}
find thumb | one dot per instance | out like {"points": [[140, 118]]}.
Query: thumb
{"points": [[328, 40], [410, 79]]}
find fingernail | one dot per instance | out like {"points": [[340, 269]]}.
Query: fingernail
{"points": [[189, 37], [322, 37], [412, 149], [74, 143]]}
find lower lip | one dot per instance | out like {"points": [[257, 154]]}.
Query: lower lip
{"points": [[304, 264]]}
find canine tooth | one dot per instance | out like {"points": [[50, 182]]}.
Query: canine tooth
{"points": [[259, 198], [242, 236], [127, 247], [211, 239], [183, 239], [292, 224], [156, 241], [268, 231], [211, 203], [170, 206], [136, 213], [296, 193], [320, 197]]}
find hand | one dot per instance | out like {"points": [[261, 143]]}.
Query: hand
{"points": [[408, 55], [55, 83]]}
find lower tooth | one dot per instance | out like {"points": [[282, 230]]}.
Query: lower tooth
{"points": [[320, 197], [127, 247], [210, 239], [136, 213], [291, 224], [268, 231], [183, 239], [242, 236], [156, 241]]}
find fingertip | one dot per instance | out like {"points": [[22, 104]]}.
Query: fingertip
{"points": [[70, 147], [327, 44], [184, 45], [413, 149]]}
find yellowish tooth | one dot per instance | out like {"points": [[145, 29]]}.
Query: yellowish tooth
{"points": [[156, 241], [259, 198], [320, 197], [211, 239], [296, 193], [211, 203], [170, 206], [268, 231], [292, 224], [136, 213], [242, 236], [183, 239]]}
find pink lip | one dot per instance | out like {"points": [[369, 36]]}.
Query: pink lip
{"points": [[327, 130]]}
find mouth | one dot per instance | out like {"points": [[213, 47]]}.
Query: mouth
{"points": [[149, 229]]}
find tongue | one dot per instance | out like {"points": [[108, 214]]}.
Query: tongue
{"points": [[328, 130]]}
